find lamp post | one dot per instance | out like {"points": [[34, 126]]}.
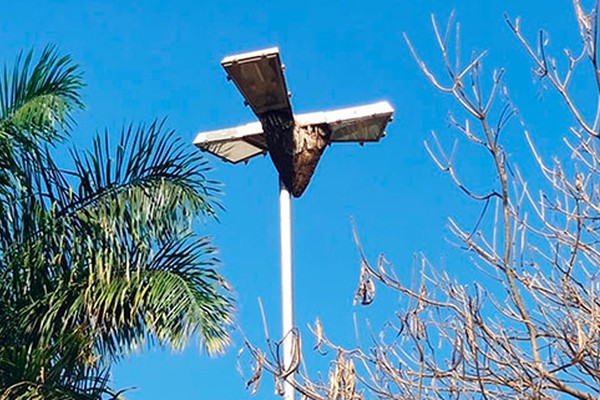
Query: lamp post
{"points": [[295, 144]]}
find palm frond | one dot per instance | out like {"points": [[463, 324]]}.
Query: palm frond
{"points": [[37, 98], [148, 160], [128, 296], [53, 372], [37, 101]]}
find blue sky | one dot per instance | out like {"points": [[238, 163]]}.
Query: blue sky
{"points": [[148, 59]]}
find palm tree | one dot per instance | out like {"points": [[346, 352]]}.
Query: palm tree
{"points": [[102, 258]]}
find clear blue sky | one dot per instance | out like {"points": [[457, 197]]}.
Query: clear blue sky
{"points": [[147, 59]]}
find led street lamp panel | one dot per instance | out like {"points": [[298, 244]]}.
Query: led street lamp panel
{"points": [[259, 77], [355, 124], [237, 144]]}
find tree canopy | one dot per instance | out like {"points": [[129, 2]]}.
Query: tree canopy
{"points": [[102, 257]]}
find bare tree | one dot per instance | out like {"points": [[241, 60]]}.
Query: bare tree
{"points": [[536, 334]]}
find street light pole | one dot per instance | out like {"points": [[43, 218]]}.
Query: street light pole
{"points": [[295, 143], [287, 278]]}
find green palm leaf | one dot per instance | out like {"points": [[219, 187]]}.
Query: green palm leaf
{"points": [[38, 98], [37, 101]]}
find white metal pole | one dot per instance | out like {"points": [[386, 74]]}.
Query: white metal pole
{"points": [[287, 292]]}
